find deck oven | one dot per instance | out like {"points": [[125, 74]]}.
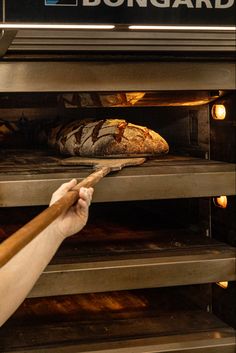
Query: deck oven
{"points": [[154, 269]]}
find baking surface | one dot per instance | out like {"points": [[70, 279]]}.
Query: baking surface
{"points": [[33, 162], [106, 317], [28, 161]]}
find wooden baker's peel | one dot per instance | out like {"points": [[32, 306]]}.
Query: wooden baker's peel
{"points": [[114, 164], [11, 246]]}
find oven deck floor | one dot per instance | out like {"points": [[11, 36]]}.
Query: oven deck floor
{"points": [[114, 322], [34, 175]]}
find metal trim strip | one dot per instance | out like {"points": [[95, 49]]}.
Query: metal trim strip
{"points": [[108, 76], [181, 181], [204, 342], [134, 274], [140, 40]]}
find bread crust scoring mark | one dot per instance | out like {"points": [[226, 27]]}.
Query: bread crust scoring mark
{"points": [[121, 129], [96, 130]]}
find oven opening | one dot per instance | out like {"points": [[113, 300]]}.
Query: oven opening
{"points": [[183, 118], [155, 265], [117, 319], [128, 245], [186, 120]]}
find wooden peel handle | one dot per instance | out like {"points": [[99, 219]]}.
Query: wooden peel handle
{"points": [[11, 246]]}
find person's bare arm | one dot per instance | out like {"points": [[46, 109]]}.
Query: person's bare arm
{"points": [[19, 275]]}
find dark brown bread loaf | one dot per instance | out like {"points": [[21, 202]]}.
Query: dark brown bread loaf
{"points": [[109, 137], [76, 305]]}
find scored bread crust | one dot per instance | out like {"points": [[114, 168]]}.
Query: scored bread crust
{"points": [[106, 137]]}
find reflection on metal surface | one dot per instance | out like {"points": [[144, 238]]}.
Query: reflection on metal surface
{"points": [[220, 201], [218, 112], [217, 334], [6, 38], [223, 285]]}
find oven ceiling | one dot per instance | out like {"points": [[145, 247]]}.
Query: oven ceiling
{"points": [[53, 64]]}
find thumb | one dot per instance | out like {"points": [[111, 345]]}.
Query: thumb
{"points": [[62, 190]]}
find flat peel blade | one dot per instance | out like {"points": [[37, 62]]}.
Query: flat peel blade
{"points": [[97, 163]]}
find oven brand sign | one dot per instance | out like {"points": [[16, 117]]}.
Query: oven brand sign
{"points": [[198, 4], [123, 12]]}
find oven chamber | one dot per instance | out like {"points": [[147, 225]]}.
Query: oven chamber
{"points": [[154, 269]]}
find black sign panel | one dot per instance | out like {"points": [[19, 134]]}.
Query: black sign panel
{"points": [[149, 12], [1, 11]]}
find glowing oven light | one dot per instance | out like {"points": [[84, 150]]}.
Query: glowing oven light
{"points": [[18, 26], [218, 112], [220, 201], [223, 284]]}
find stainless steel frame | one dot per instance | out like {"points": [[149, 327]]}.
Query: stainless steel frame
{"points": [[155, 180], [115, 76]]}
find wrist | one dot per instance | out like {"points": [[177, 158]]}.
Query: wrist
{"points": [[55, 232]]}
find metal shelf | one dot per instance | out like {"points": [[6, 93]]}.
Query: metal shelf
{"points": [[190, 331], [32, 182], [212, 263], [216, 341]]}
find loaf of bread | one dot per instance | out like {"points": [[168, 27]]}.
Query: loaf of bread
{"points": [[69, 305], [100, 99], [108, 137]]}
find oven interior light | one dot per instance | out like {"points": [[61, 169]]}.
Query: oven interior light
{"points": [[52, 26], [184, 28], [16, 26], [223, 284], [218, 112], [220, 201]]}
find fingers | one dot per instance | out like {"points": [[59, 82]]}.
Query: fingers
{"points": [[66, 186], [62, 190], [82, 206], [74, 219], [84, 202], [86, 195]]}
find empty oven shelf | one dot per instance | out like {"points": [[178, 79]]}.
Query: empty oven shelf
{"points": [[131, 245], [170, 260], [124, 322], [32, 176]]}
